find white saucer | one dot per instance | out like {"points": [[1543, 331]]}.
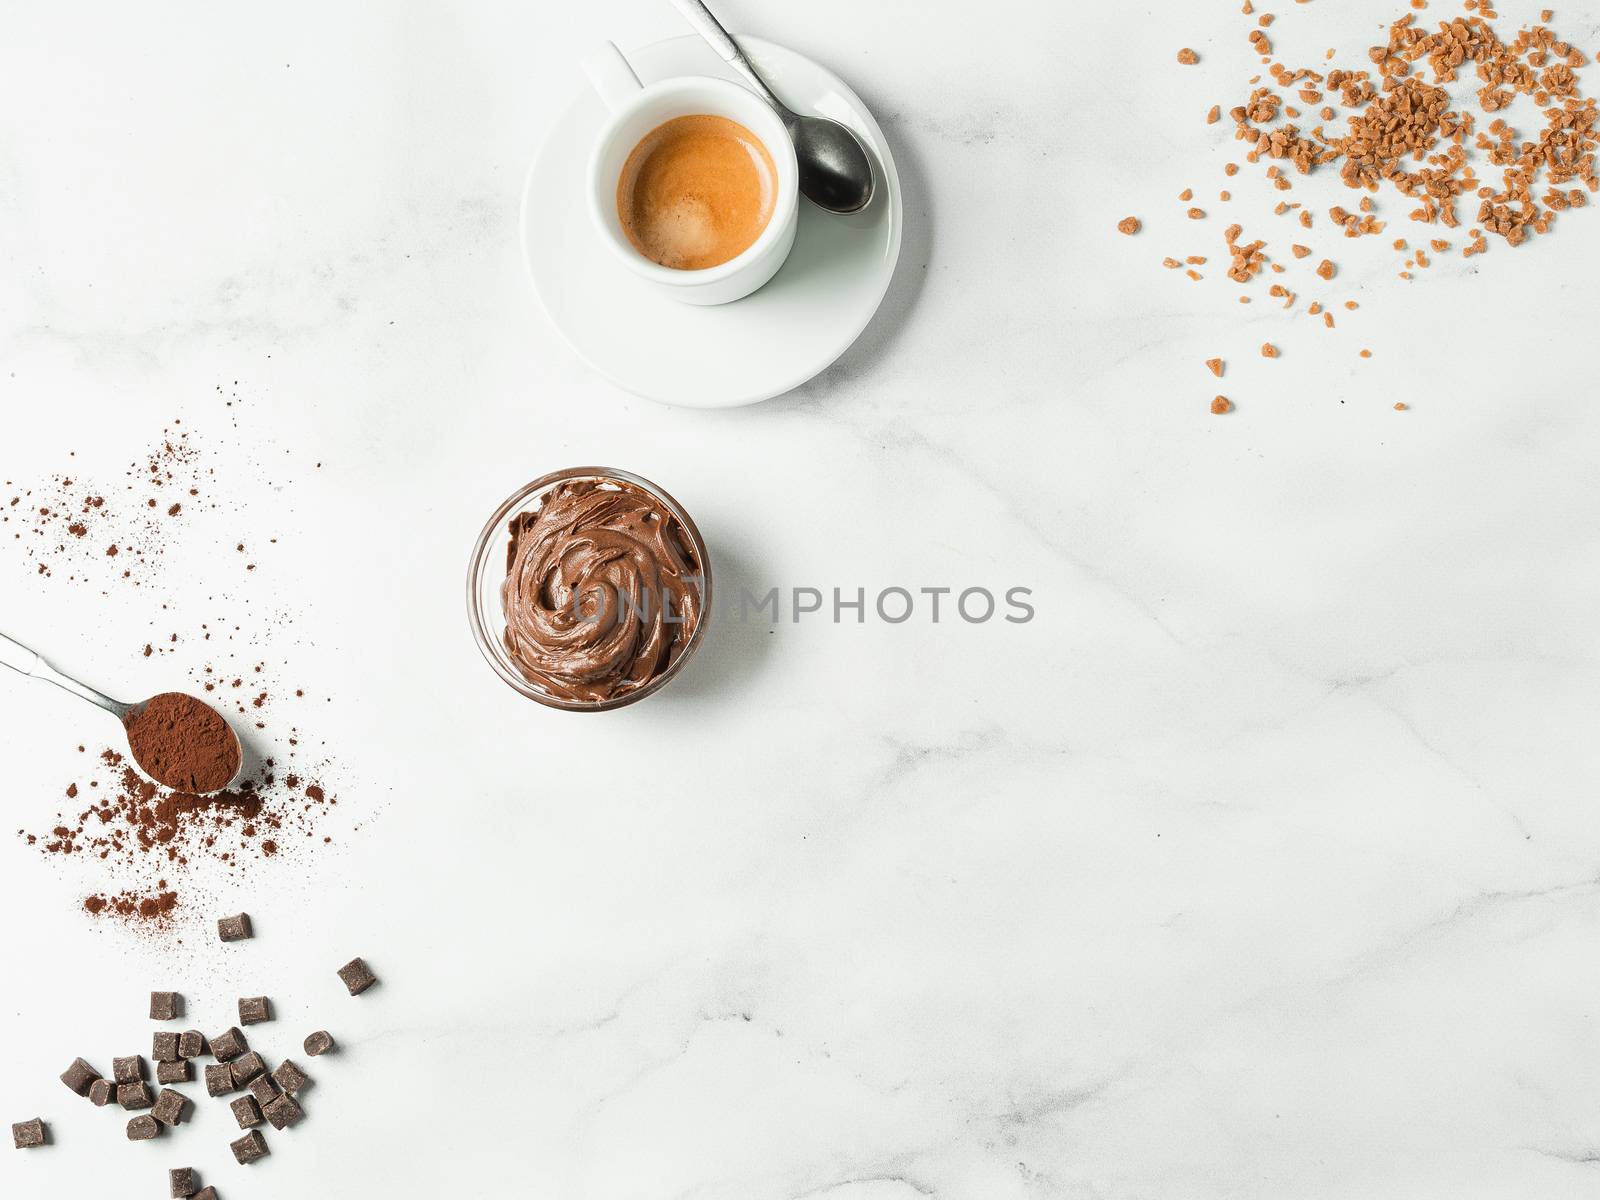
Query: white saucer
{"points": [[732, 354]]}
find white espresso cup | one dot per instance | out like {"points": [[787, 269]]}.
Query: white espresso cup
{"points": [[636, 109]]}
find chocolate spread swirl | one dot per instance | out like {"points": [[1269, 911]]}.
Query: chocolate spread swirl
{"points": [[603, 590]]}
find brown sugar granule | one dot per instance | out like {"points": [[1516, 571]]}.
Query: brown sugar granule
{"points": [[1221, 405], [1400, 406], [1196, 214], [1268, 350], [1186, 195], [1366, 354], [1215, 366], [1129, 225], [1188, 57], [1389, 121]]}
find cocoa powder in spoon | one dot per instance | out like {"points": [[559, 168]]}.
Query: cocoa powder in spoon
{"points": [[183, 743]]}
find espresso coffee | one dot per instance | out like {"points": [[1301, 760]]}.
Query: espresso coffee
{"points": [[696, 192]]}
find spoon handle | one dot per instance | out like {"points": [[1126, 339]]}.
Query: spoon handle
{"points": [[19, 658], [722, 42]]}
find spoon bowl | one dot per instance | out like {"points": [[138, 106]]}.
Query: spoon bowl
{"points": [[183, 743], [835, 173]]}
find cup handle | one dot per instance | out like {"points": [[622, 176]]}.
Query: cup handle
{"points": [[611, 76]]}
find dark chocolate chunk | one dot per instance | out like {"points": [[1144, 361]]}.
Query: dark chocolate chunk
{"points": [[219, 1080], [142, 1129], [102, 1092], [28, 1135], [289, 1076], [235, 929], [320, 1042], [250, 1147], [284, 1112], [192, 1044], [170, 1106], [127, 1070], [247, 1068], [357, 976], [247, 1112], [165, 1006], [134, 1096], [180, 1071], [183, 1183], [254, 1009], [164, 1047], [226, 1047], [206, 1193], [79, 1076], [263, 1089]]}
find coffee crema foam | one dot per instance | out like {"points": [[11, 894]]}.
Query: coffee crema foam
{"points": [[696, 192]]}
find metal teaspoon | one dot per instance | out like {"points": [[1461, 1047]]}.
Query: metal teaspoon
{"points": [[835, 172], [19, 658]]}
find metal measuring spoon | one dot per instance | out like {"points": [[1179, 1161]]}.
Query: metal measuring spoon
{"points": [[19, 658], [835, 172]]}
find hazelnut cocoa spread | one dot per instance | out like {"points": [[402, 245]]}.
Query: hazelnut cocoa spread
{"points": [[603, 590], [183, 743]]}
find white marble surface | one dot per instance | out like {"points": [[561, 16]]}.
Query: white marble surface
{"points": [[1265, 862]]}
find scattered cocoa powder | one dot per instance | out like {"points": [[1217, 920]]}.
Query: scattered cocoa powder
{"points": [[65, 509], [144, 833], [155, 906], [151, 853]]}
